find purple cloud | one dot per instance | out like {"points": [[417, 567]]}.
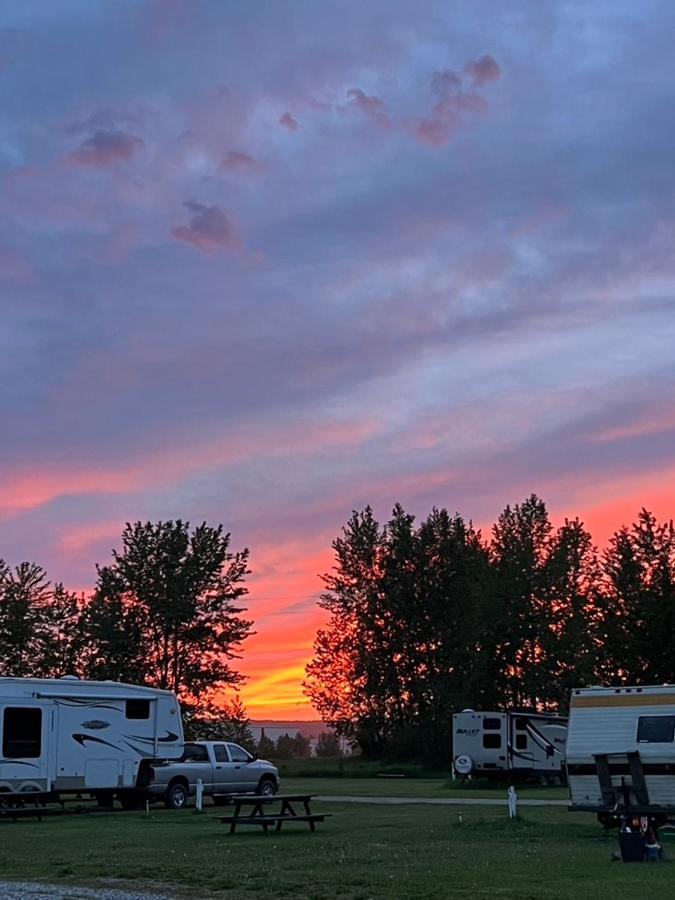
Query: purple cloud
{"points": [[209, 229], [287, 121], [235, 161], [370, 105], [483, 70], [105, 147]]}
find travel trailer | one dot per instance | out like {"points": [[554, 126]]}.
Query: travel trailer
{"points": [[70, 736], [511, 744], [621, 751]]}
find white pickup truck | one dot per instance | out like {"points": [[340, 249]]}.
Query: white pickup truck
{"points": [[224, 768]]}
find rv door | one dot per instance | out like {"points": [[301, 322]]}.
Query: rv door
{"points": [[25, 728], [521, 749]]}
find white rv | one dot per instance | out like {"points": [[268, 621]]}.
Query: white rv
{"points": [[70, 736], [509, 744], [621, 751]]}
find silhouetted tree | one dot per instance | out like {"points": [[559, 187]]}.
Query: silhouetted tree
{"points": [[638, 625], [328, 745], [166, 610]]}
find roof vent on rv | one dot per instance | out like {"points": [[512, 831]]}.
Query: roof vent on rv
{"points": [[69, 678], [467, 710]]}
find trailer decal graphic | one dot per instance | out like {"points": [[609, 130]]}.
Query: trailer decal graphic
{"points": [[95, 724], [81, 738], [169, 738], [18, 762]]}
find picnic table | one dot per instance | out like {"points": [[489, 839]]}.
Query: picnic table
{"points": [[266, 811]]}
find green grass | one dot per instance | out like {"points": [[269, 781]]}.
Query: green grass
{"points": [[363, 851], [413, 787]]}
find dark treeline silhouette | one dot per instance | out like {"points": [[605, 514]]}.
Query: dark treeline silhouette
{"points": [[165, 612], [432, 618]]}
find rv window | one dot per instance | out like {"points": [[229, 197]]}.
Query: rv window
{"points": [[22, 733], [521, 724], [492, 724], [521, 742], [138, 709], [656, 729], [492, 741]]}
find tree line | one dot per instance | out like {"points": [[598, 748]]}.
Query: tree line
{"points": [[427, 619], [165, 612]]}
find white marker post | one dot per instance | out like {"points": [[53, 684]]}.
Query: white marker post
{"points": [[512, 800], [199, 799]]}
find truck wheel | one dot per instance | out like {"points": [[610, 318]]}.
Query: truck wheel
{"points": [[266, 787], [176, 795]]}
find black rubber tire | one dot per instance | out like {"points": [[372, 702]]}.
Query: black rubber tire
{"points": [[266, 787], [177, 795], [219, 800]]}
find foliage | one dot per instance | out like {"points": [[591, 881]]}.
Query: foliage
{"points": [[166, 610], [38, 623], [429, 619], [328, 745], [218, 721]]}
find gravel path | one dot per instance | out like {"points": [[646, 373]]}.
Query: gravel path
{"points": [[23, 890]]}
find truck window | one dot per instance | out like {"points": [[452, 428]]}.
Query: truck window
{"points": [[220, 753], [194, 753], [138, 709], [492, 741], [492, 724], [656, 729], [22, 733], [237, 753]]}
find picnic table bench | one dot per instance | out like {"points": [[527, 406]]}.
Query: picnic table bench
{"points": [[267, 811]]}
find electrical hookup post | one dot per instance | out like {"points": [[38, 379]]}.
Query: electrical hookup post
{"points": [[199, 796], [512, 800]]}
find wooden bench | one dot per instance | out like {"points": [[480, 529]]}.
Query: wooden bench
{"points": [[267, 821]]}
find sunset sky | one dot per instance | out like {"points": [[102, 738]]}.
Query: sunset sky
{"points": [[262, 263]]}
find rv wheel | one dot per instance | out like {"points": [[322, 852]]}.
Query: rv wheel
{"points": [[177, 795]]}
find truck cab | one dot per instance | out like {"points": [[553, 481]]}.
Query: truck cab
{"points": [[223, 768]]}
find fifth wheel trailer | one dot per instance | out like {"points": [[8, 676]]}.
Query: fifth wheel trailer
{"points": [[65, 735], [621, 751], [512, 744]]}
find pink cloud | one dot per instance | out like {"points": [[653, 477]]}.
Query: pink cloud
{"points": [[483, 70], [105, 147], [369, 105], [287, 121], [454, 99], [210, 229], [236, 161]]}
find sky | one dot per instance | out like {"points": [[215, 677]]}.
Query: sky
{"points": [[264, 263]]}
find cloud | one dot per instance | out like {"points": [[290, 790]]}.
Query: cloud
{"points": [[210, 229], [287, 121], [369, 105], [483, 70], [235, 161], [455, 98], [105, 147]]}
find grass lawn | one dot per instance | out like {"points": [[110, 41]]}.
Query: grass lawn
{"points": [[361, 852], [413, 787]]}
